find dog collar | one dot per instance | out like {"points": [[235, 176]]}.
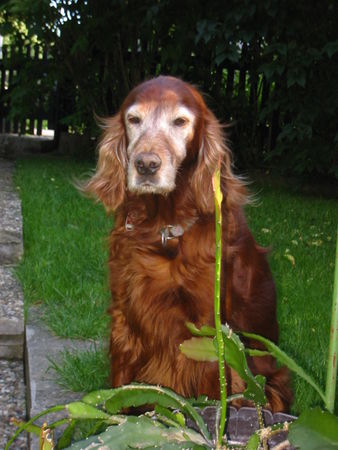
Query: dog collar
{"points": [[168, 232]]}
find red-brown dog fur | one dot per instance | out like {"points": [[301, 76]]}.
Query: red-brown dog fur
{"points": [[157, 289]]}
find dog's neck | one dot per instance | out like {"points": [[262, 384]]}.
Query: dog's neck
{"points": [[177, 206], [159, 211], [161, 219]]}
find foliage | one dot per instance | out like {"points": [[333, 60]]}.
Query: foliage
{"points": [[331, 373], [269, 66], [314, 429], [234, 355], [62, 229], [220, 354], [166, 426], [143, 432]]}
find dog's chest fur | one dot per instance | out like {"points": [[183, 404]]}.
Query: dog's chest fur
{"points": [[152, 284]]}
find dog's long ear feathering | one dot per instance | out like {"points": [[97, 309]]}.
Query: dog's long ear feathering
{"points": [[213, 151], [108, 184]]}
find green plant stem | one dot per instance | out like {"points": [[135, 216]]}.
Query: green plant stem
{"points": [[217, 305], [333, 346], [264, 440]]}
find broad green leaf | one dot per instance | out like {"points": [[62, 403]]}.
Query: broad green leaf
{"points": [[138, 395], [203, 349], [253, 442], [80, 410], [203, 331], [141, 394], [97, 398], [220, 58], [285, 359], [199, 349], [315, 429], [140, 433], [234, 352], [331, 48], [175, 419], [233, 54], [66, 438], [282, 49]]}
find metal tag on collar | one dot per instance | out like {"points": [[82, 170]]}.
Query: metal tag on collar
{"points": [[170, 232], [128, 225]]}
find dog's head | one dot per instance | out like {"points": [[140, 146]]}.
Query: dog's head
{"points": [[162, 127], [160, 118]]}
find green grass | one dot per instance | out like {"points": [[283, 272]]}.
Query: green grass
{"points": [[64, 266], [301, 231], [82, 371]]}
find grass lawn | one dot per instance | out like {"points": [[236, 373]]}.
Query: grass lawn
{"points": [[64, 266]]}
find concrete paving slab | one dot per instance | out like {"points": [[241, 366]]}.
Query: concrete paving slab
{"points": [[11, 315], [11, 339], [42, 389]]}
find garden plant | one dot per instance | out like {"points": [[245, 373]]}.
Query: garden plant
{"points": [[166, 426]]}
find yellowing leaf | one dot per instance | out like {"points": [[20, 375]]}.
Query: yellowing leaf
{"points": [[290, 258], [216, 182], [46, 442], [316, 243]]}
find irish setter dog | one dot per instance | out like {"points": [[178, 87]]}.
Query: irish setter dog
{"points": [[156, 161]]}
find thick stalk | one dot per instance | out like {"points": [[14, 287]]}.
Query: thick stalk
{"points": [[217, 305], [333, 346]]}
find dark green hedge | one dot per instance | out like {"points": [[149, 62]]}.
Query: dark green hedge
{"points": [[270, 68]]}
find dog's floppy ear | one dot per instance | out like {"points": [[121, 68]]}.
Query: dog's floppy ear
{"points": [[213, 150], [108, 184]]}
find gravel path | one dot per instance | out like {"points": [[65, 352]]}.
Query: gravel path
{"points": [[12, 401], [12, 385]]}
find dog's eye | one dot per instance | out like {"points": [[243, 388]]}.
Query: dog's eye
{"points": [[180, 121], [134, 120]]}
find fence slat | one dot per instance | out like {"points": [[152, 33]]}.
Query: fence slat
{"points": [[13, 69]]}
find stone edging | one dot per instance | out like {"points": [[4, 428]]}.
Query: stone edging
{"points": [[12, 388], [11, 251]]}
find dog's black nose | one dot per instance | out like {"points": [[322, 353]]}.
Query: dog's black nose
{"points": [[147, 163]]}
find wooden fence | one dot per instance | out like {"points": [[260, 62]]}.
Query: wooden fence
{"points": [[24, 110], [30, 100]]}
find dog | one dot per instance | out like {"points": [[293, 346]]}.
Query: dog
{"points": [[157, 157]]}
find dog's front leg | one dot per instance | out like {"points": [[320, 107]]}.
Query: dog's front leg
{"points": [[122, 372], [125, 350]]}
